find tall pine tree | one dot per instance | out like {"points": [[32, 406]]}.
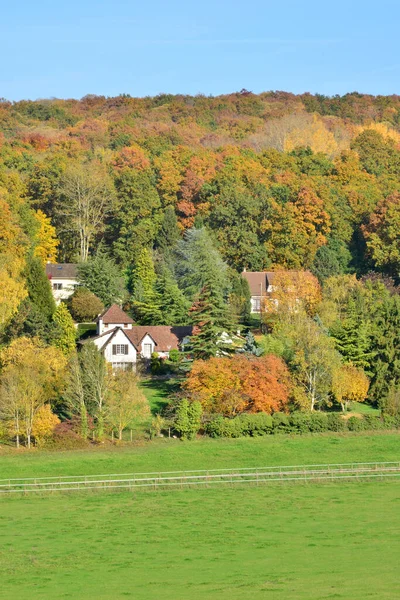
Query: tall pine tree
{"points": [[212, 323]]}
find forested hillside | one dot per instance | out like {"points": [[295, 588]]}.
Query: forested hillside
{"points": [[163, 201], [295, 181]]}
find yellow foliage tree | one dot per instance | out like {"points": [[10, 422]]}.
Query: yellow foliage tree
{"points": [[32, 375], [12, 248], [292, 292], [44, 423], [47, 241], [349, 384]]}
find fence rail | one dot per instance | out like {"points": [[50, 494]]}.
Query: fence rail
{"points": [[211, 477]]}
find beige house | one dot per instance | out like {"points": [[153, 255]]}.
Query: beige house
{"points": [[63, 280]]}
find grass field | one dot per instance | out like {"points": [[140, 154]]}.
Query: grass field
{"points": [[295, 542], [291, 542], [167, 455]]}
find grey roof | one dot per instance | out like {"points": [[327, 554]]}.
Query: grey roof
{"points": [[61, 271]]}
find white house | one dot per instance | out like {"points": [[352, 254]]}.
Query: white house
{"points": [[63, 280], [123, 343]]}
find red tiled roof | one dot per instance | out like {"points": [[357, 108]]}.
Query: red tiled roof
{"points": [[166, 338], [115, 315]]}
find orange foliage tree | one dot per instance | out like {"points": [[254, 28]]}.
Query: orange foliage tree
{"points": [[230, 386]]}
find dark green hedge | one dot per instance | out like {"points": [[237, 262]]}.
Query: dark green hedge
{"points": [[297, 423]]}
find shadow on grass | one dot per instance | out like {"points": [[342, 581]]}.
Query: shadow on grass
{"points": [[159, 391]]}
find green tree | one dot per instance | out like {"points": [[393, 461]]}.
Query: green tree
{"points": [[103, 278], [146, 301], [173, 304], [197, 262], [169, 233], [212, 323], [84, 305], [137, 214], [240, 298], [188, 419], [66, 338], [39, 290]]}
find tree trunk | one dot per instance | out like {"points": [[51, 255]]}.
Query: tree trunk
{"points": [[120, 434], [343, 406], [17, 440], [28, 438]]}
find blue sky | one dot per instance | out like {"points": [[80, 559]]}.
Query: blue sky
{"points": [[69, 49]]}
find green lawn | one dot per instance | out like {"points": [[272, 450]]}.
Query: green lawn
{"points": [[164, 454], [292, 542], [158, 391]]}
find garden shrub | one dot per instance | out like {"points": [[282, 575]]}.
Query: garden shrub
{"points": [[300, 422], [336, 422], [281, 422], [257, 424], [318, 422], [356, 424]]}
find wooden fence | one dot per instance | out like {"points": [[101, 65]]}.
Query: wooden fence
{"points": [[206, 478]]}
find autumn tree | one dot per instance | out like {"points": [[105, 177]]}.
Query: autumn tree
{"points": [[85, 199], [32, 375], [47, 242], [349, 384], [239, 384], [126, 404], [382, 235]]}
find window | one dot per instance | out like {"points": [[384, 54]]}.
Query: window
{"points": [[257, 304], [147, 350], [123, 366], [57, 286], [105, 325], [119, 349], [126, 325]]}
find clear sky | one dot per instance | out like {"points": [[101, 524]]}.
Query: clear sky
{"points": [[67, 49]]}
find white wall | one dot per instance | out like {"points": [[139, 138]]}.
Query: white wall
{"points": [[101, 327], [68, 288], [120, 338], [147, 340]]}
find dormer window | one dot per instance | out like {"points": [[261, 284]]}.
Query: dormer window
{"points": [[126, 325]]}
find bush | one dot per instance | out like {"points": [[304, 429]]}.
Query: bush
{"points": [[336, 422], [356, 424], [188, 419], [256, 425], [300, 422], [373, 423], [224, 427], [318, 422], [281, 423]]}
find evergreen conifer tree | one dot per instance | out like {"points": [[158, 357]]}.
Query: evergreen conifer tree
{"points": [[39, 290], [174, 305], [66, 338], [103, 278], [211, 318], [146, 301], [169, 233]]}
